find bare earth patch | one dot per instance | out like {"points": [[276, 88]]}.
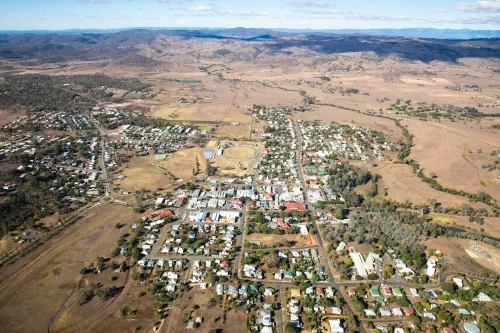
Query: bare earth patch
{"points": [[240, 152]]}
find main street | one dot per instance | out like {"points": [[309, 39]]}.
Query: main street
{"points": [[322, 251]]}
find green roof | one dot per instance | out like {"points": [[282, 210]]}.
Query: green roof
{"points": [[397, 291], [375, 291], [254, 287]]}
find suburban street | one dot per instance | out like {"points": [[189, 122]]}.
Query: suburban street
{"points": [[300, 173]]}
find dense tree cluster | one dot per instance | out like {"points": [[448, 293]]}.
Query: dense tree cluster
{"points": [[60, 93]]}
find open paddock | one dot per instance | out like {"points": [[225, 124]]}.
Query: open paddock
{"points": [[54, 267], [240, 152], [142, 174], [270, 239]]}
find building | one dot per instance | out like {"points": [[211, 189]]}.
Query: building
{"points": [[363, 267], [336, 326], [295, 206], [471, 328]]}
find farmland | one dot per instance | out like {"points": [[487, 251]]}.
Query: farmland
{"points": [[218, 183]]}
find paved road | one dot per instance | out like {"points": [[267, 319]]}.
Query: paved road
{"points": [[300, 174], [100, 158], [280, 323]]}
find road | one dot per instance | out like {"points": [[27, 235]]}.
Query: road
{"points": [[100, 158], [310, 212]]}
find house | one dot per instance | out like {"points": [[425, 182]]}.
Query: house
{"points": [[341, 247], [449, 330], [232, 290], [464, 311], [374, 292], [179, 201], [385, 313], [482, 297], [429, 315], [335, 326], [283, 225], [458, 282], [267, 306], [249, 270], [351, 291], [370, 313], [336, 310], [219, 289], [414, 292], [397, 292], [295, 206], [408, 311], [397, 312], [265, 314], [268, 292], [295, 292], [387, 291]]}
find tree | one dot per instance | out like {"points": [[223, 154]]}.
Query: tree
{"points": [[289, 328], [272, 260], [123, 266], [293, 230], [415, 320], [209, 303]]}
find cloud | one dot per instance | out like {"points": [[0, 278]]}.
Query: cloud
{"points": [[243, 13], [95, 2], [480, 6], [493, 18], [440, 10], [169, 1], [326, 11], [199, 8], [309, 3]]}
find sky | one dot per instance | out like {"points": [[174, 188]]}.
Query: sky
{"points": [[292, 14]]}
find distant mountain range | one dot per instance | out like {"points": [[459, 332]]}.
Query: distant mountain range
{"points": [[50, 47], [252, 33]]}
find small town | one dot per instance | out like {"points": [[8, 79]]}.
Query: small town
{"points": [[285, 241]]}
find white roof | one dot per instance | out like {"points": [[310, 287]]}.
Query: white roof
{"points": [[471, 328]]}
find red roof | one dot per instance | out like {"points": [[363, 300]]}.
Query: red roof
{"points": [[408, 311], [351, 291], [180, 200], [224, 264], [449, 330], [295, 206], [251, 204], [387, 290]]}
